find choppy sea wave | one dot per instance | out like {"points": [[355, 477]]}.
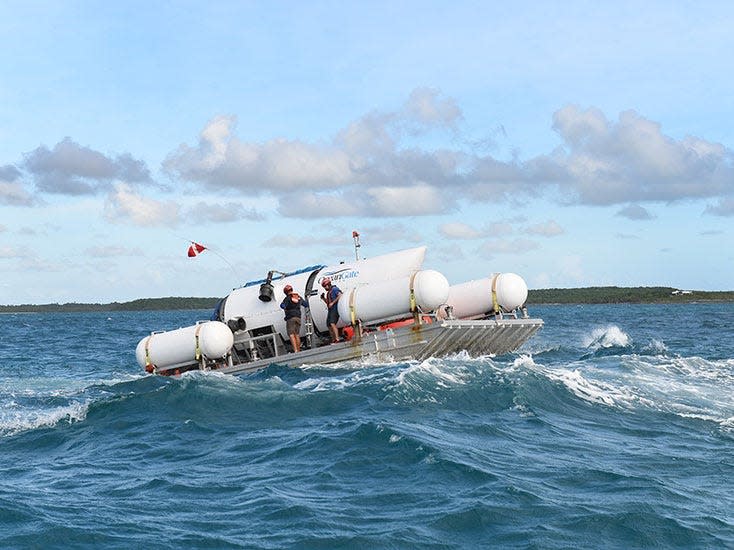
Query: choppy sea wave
{"points": [[614, 427]]}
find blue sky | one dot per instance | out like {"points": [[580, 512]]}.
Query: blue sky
{"points": [[575, 143]]}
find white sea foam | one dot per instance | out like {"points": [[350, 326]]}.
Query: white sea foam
{"points": [[689, 387], [606, 337], [657, 347], [594, 391], [523, 361], [442, 374], [16, 420], [338, 382]]}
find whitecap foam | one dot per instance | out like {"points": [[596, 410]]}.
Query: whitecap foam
{"points": [[436, 369], [607, 337], [688, 387], [523, 361], [20, 420], [657, 347]]}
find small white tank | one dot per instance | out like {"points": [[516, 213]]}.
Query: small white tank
{"points": [[175, 347], [512, 292], [475, 298]]}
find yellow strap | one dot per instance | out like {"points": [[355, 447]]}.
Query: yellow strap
{"points": [[413, 305], [495, 305], [147, 351], [197, 354], [352, 308]]}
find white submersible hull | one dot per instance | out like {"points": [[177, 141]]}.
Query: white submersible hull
{"points": [[390, 309]]}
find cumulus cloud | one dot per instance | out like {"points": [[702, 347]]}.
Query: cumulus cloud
{"points": [[417, 200], [204, 212], [220, 160], [379, 166], [604, 162], [112, 251], [546, 229], [507, 246], [10, 252], [362, 171], [12, 190], [71, 169], [392, 232], [428, 108], [462, 231], [124, 205], [459, 230], [291, 241], [725, 207], [635, 212]]}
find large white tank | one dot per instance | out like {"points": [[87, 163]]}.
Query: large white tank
{"points": [[475, 298], [386, 299], [245, 302], [210, 339]]}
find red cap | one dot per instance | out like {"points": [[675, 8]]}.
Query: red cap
{"points": [[287, 289]]}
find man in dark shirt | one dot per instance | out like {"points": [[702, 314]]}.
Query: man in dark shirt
{"points": [[292, 304]]}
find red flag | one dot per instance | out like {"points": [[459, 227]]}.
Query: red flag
{"points": [[195, 249]]}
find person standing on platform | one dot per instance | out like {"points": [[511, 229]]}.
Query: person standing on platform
{"points": [[331, 297], [292, 304]]}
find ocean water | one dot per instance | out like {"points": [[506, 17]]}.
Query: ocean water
{"points": [[612, 428]]}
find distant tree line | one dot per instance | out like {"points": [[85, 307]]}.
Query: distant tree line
{"points": [[620, 295], [590, 295], [144, 304]]}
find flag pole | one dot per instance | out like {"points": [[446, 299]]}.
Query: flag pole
{"points": [[226, 261]]}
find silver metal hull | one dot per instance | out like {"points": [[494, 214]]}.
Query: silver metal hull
{"points": [[421, 341]]}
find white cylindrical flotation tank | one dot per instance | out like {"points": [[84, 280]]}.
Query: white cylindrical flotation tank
{"points": [[478, 297], [210, 339], [383, 300]]}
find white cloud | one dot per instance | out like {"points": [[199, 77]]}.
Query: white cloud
{"points": [[12, 190], [571, 268], [222, 161], [547, 229], [71, 169], [317, 205], [291, 241], [112, 251], [724, 207], [222, 213], [635, 212], [606, 162], [459, 230], [418, 200], [406, 201], [507, 246], [10, 252], [427, 107], [392, 232], [124, 205], [379, 166], [363, 171]]}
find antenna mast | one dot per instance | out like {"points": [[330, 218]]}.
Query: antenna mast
{"points": [[355, 236]]}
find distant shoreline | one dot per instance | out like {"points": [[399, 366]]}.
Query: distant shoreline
{"points": [[551, 296]]}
